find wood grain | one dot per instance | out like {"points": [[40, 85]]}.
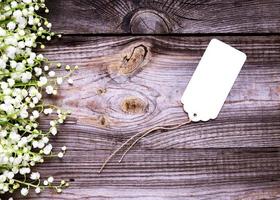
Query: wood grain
{"points": [[167, 174], [164, 16], [114, 70], [128, 84]]}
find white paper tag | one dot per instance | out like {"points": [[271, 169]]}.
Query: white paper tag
{"points": [[212, 81]]}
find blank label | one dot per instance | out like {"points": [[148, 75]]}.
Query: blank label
{"points": [[212, 81]]}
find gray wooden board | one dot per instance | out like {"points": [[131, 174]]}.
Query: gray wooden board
{"points": [[128, 84], [164, 16]]}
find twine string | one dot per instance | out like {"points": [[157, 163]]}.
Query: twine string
{"points": [[139, 136]]}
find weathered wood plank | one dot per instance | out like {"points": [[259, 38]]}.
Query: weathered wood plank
{"points": [[165, 16], [128, 84], [195, 193], [166, 173], [174, 194]]}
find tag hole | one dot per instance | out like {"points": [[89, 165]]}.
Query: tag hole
{"points": [[195, 115]]}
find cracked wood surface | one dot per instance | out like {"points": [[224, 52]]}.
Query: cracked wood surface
{"points": [[128, 84], [164, 16]]}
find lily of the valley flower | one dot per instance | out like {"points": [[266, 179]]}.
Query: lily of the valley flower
{"points": [[24, 77]]}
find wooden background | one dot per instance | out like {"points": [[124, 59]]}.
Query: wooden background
{"points": [[136, 58]]}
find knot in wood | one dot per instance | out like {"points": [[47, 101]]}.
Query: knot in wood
{"points": [[132, 62], [133, 105], [103, 121], [149, 21], [101, 91]]}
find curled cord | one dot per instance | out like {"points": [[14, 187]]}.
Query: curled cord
{"points": [[140, 136]]}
